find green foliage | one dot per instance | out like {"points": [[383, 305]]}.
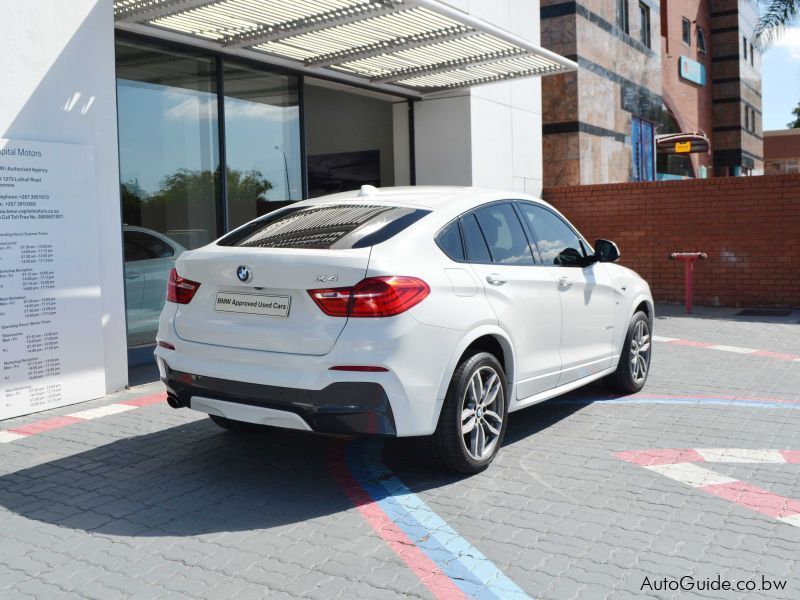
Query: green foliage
{"points": [[776, 15], [796, 123], [187, 200]]}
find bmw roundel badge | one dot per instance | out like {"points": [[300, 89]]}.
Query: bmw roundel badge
{"points": [[244, 273]]}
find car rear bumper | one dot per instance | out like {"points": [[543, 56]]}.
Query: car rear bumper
{"points": [[342, 407]]}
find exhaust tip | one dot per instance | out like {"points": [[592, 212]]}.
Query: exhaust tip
{"points": [[173, 401]]}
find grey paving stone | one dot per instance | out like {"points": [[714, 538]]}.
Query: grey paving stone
{"points": [[158, 503]]}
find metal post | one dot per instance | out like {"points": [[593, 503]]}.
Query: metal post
{"points": [[688, 259]]}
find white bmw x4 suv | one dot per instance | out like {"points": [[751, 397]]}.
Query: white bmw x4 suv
{"points": [[420, 311]]}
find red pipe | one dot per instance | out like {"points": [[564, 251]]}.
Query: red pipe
{"points": [[688, 259]]}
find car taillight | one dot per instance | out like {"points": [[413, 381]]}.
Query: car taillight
{"points": [[372, 297], [179, 289]]}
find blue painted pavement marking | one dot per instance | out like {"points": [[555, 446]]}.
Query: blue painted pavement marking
{"points": [[475, 574], [744, 403]]}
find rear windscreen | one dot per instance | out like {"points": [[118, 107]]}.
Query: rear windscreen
{"points": [[329, 226]]}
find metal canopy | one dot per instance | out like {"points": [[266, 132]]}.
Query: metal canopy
{"points": [[420, 46], [682, 143]]}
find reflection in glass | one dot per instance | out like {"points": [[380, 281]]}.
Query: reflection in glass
{"points": [[262, 141], [169, 166]]}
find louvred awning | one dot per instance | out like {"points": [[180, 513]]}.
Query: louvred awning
{"points": [[419, 46]]}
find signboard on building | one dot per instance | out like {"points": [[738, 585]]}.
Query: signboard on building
{"points": [[691, 70], [50, 310]]}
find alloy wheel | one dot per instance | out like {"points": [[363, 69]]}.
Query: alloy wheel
{"points": [[640, 351], [482, 413]]}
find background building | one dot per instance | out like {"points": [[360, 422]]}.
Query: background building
{"points": [[782, 151], [598, 122], [736, 88], [700, 76]]}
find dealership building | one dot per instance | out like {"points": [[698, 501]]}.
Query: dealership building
{"points": [[132, 130]]}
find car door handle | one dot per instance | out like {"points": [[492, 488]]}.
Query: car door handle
{"points": [[564, 282], [132, 275], [495, 279]]}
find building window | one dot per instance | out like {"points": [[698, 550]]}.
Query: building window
{"points": [[752, 55], [644, 32], [792, 166], [643, 150], [262, 141], [744, 47], [701, 40], [687, 31], [622, 16], [750, 119], [174, 194]]}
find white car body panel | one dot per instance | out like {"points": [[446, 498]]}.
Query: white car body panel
{"points": [[552, 339]]}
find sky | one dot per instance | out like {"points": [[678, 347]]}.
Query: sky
{"points": [[780, 72]]}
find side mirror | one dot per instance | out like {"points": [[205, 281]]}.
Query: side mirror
{"points": [[606, 251]]}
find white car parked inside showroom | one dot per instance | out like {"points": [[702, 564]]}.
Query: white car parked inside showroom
{"points": [[420, 311]]}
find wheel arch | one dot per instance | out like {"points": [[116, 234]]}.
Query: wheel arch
{"points": [[488, 339], [645, 304]]}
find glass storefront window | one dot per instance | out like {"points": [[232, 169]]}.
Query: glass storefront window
{"points": [[185, 116], [169, 168], [262, 141]]}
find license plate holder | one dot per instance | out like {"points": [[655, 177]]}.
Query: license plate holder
{"points": [[253, 304]]}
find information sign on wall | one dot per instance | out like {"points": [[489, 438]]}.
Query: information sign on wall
{"points": [[50, 311]]}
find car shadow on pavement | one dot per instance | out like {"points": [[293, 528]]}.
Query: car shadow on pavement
{"points": [[181, 481], [410, 457], [195, 479]]}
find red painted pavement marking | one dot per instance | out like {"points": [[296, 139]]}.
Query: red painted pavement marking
{"points": [[439, 584], [738, 492], [791, 456], [145, 400], [46, 425], [771, 354], [754, 498], [58, 422], [691, 343], [727, 348], [659, 456]]}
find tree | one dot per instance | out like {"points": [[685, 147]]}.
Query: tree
{"points": [[776, 15], [796, 123], [187, 199]]}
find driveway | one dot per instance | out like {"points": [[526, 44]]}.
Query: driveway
{"points": [[694, 483]]}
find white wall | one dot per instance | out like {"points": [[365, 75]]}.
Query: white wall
{"points": [[497, 128], [340, 121], [443, 141], [57, 84]]}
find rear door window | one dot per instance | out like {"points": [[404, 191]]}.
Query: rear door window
{"points": [[504, 235], [326, 226]]}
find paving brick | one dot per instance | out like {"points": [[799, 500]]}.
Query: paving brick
{"points": [[155, 503]]}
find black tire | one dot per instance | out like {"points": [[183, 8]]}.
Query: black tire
{"points": [[448, 444], [624, 380], [238, 426]]}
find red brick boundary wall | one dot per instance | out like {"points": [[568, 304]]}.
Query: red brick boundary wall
{"points": [[749, 226]]}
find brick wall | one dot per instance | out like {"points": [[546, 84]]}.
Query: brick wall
{"points": [[749, 226]]}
